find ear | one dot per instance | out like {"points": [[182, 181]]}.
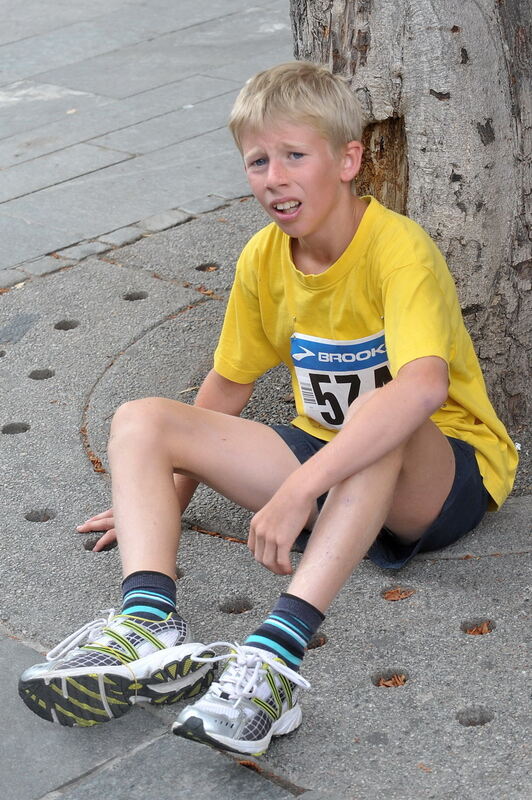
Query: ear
{"points": [[351, 160]]}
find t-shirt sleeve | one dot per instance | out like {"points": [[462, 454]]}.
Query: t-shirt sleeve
{"points": [[417, 320], [244, 352]]}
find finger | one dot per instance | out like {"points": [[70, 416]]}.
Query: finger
{"points": [[251, 538], [105, 523], [104, 541], [284, 565], [107, 513]]}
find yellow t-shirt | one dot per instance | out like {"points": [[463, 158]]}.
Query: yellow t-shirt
{"points": [[388, 300]]}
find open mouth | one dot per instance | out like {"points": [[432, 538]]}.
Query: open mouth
{"points": [[287, 207]]}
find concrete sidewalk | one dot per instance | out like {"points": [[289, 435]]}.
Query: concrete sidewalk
{"points": [[133, 311]]}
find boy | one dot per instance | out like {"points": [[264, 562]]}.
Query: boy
{"points": [[395, 448]]}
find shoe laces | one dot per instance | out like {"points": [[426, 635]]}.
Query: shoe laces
{"points": [[88, 632], [240, 678]]}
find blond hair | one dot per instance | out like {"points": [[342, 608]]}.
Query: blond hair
{"points": [[303, 93]]}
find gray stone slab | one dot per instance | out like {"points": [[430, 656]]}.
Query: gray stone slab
{"points": [[122, 236], [200, 205], [182, 769], [10, 277], [45, 266], [84, 250], [203, 47], [58, 755], [122, 194], [155, 134], [116, 114], [23, 238], [35, 17], [160, 222], [109, 31], [55, 168], [29, 104]]}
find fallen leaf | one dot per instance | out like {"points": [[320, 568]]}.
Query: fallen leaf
{"points": [[395, 680], [218, 535], [398, 593], [424, 767], [250, 765], [480, 630], [3, 291]]}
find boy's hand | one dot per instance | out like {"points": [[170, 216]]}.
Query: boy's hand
{"points": [[100, 522], [275, 528]]}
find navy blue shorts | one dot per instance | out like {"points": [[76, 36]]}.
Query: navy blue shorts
{"points": [[466, 503]]}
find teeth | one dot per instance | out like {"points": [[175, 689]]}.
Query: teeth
{"points": [[286, 206]]}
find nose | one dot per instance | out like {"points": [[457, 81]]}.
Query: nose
{"points": [[276, 175]]}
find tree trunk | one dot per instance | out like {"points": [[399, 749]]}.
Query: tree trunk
{"points": [[445, 87]]}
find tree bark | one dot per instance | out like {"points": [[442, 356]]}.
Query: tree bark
{"points": [[445, 87]]}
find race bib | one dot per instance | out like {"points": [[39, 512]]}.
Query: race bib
{"points": [[331, 374]]}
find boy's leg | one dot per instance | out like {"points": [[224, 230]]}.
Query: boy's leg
{"points": [[144, 653], [150, 439], [405, 490]]}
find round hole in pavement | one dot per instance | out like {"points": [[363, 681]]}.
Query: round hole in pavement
{"points": [[41, 374], [474, 716], [2, 353], [478, 627], [236, 605], [394, 593], [40, 515], [179, 573], [207, 267], [318, 640], [66, 325], [89, 543], [16, 427], [135, 296], [390, 678]]}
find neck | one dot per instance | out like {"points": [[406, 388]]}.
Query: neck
{"points": [[316, 254]]}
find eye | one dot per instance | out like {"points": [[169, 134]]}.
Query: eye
{"points": [[258, 162], [296, 156]]}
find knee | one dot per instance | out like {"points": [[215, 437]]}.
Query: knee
{"points": [[139, 421]]}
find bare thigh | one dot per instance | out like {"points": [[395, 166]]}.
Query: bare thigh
{"points": [[243, 460], [425, 480]]}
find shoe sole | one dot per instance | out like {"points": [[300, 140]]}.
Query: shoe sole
{"points": [[193, 729], [73, 698]]}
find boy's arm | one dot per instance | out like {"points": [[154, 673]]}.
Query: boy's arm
{"points": [[217, 394], [386, 420]]}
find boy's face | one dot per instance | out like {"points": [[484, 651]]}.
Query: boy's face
{"points": [[297, 178]]}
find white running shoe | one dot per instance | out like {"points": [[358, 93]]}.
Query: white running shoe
{"points": [[255, 698], [98, 672]]}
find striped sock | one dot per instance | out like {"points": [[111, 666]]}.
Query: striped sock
{"points": [[288, 629], [149, 595]]}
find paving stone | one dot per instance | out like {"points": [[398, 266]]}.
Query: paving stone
{"points": [[84, 250], [35, 17], [10, 277], [203, 47], [55, 168], [37, 103], [159, 222], [23, 238], [122, 194], [122, 236], [58, 755], [116, 114], [155, 134], [45, 266], [200, 205]]}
